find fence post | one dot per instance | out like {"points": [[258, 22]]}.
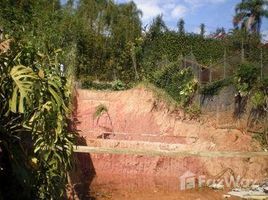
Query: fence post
{"points": [[217, 111], [210, 70], [114, 74], [199, 74], [224, 72], [261, 64], [242, 51]]}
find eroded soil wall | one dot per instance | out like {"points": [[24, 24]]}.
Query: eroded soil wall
{"points": [[136, 119]]}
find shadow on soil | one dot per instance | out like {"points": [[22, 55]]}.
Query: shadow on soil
{"points": [[83, 171], [82, 175]]}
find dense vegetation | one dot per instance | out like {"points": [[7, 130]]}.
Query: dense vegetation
{"points": [[35, 143], [35, 98], [106, 41], [104, 45]]}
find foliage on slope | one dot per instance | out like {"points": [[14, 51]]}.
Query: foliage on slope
{"points": [[35, 142]]}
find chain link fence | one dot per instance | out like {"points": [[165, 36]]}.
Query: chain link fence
{"points": [[225, 105], [223, 68]]}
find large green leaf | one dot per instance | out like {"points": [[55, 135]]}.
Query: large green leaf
{"points": [[23, 78]]}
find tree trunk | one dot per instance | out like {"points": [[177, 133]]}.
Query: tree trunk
{"points": [[134, 61]]}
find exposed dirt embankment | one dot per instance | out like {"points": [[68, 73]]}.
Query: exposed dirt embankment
{"points": [[138, 117]]}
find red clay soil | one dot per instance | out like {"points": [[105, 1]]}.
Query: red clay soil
{"points": [[136, 115], [107, 187]]}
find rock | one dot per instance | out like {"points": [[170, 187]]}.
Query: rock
{"points": [[257, 193], [254, 187], [226, 196], [265, 189], [216, 186]]}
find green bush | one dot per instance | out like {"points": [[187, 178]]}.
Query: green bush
{"points": [[178, 83], [263, 85], [258, 100], [118, 85], [214, 88], [34, 133], [193, 111], [88, 83], [159, 94], [96, 85], [245, 77]]}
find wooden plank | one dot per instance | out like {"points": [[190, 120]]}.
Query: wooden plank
{"points": [[102, 150]]}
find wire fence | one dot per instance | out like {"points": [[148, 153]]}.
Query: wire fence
{"points": [[223, 68], [225, 105]]}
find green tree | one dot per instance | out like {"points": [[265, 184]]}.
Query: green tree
{"points": [[249, 14], [181, 28], [158, 27], [34, 136], [202, 30], [108, 40]]}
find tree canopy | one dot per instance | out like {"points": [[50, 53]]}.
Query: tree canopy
{"points": [[249, 14]]}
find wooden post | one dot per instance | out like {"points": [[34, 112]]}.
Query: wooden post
{"points": [[224, 69]]}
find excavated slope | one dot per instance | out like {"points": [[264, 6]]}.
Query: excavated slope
{"points": [[137, 120]]}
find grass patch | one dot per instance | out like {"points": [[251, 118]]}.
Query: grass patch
{"points": [[116, 85], [194, 111], [159, 94], [261, 138]]}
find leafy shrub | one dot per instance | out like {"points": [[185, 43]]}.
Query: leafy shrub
{"points": [[178, 83], [263, 85], [214, 87], [34, 111], [118, 85], [262, 138], [115, 85], [188, 91], [193, 111], [159, 94], [245, 77], [258, 100], [96, 85]]}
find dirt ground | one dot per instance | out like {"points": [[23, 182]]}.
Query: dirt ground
{"points": [[137, 115], [137, 120], [116, 187]]}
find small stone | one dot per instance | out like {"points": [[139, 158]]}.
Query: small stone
{"points": [[236, 190], [226, 196], [217, 186], [254, 187]]}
